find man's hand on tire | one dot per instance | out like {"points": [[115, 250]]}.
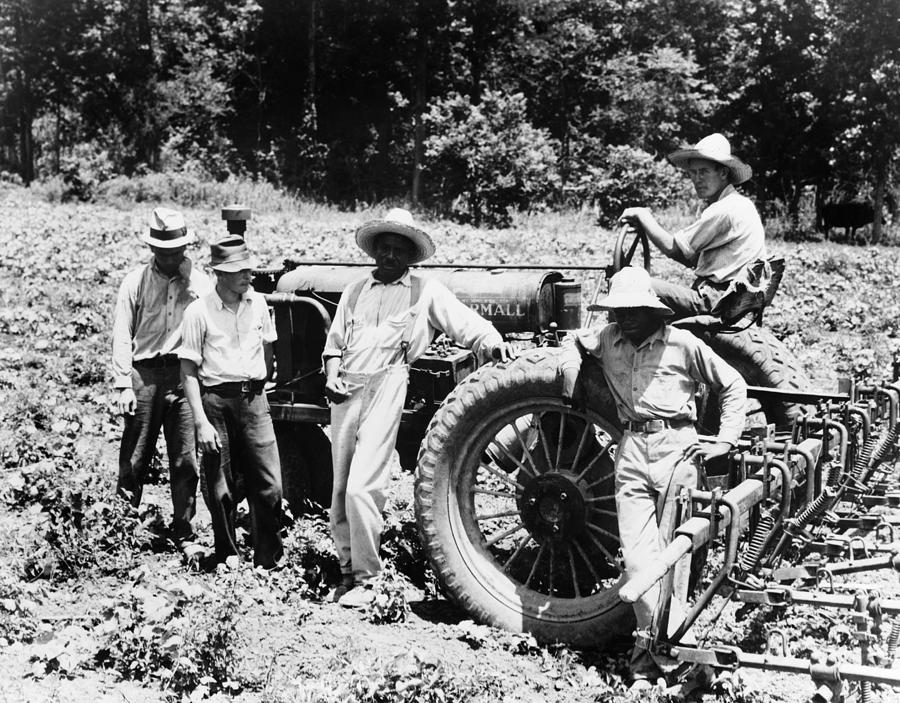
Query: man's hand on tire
{"points": [[572, 390]]}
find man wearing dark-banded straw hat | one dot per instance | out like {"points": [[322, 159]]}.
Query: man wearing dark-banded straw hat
{"points": [[722, 245], [226, 358], [146, 330], [653, 372], [383, 323]]}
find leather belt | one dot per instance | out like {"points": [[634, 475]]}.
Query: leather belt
{"points": [[157, 362], [651, 426], [234, 389]]}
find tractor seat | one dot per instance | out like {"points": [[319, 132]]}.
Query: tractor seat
{"points": [[747, 298]]}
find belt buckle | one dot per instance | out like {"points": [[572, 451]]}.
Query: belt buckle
{"points": [[654, 425], [245, 387]]}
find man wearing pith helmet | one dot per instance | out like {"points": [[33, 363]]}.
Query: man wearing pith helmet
{"points": [[383, 323], [653, 371], [722, 244], [146, 331], [226, 358]]}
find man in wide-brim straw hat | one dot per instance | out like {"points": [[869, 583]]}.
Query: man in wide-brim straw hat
{"points": [[383, 323], [146, 331], [653, 371], [722, 244]]}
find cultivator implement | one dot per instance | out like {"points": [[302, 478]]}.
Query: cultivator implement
{"points": [[809, 510]]}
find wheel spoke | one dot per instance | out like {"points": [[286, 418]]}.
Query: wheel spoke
{"points": [[506, 533], [587, 561], [502, 475], [599, 530], [600, 481], [599, 455], [544, 443], [600, 499], [559, 442], [573, 572], [525, 448], [494, 516], [550, 584], [600, 511], [519, 547], [599, 545], [584, 435], [496, 494], [537, 560], [509, 456]]}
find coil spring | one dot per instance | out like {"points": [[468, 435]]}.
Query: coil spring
{"points": [[892, 641], [865, 692], [884, 445], [763, 528], [814, 509], [834, 474], [862, 460]]}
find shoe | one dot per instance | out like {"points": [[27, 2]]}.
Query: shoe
{"points": [[640, 686], [357, 597], [335, 594]]}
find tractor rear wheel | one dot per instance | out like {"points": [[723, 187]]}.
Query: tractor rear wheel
{"points": [[515, 504]]}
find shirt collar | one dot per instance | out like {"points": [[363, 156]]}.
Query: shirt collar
{"points": [[657, 336], [726, 191], [220, 304], [402, 281]]}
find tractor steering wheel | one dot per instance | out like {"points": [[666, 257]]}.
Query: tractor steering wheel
{"points": [[624, 251]]}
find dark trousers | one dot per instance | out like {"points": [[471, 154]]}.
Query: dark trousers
{"points": [[247, 465], [699, 299], [160, 404]]}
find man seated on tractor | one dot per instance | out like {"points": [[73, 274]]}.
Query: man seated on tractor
{"points": [[652, 371], [722, 244], [383, 323]]}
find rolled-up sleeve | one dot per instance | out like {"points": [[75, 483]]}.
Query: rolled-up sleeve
{"points": [[459, 322], [573, 345], [732, 390], [123, 333], [192, 331], [334, 341], [711, 227]]}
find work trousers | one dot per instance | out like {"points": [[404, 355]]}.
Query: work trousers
{"points": [[247, 462], [160, 403], [649, 476], [363, 434], [699, 299]]}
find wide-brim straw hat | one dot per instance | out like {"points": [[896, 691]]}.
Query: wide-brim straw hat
{"points": [[167, 230], [631, 288], [230, 254], [716, 148], [396, 221]]}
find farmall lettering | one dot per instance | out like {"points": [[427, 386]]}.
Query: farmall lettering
{"points": [[498, 308]]}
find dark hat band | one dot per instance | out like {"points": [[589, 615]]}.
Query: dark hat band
{"points": [[167, 234]]}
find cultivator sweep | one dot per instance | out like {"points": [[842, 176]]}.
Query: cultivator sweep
{"points": [[808, 508]]}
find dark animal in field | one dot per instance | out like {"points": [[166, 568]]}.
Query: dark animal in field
{"points": [[849, 215]]}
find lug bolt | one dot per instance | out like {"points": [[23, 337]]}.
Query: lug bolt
{"points": [[563, 496], [555, 528], [532, 500]]}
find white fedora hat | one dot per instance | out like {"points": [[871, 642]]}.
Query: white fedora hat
{"points": [[716, 148], [167, 230], [631, 288], [396, 221]]}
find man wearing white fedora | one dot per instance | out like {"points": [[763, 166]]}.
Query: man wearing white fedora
{"points": [[653, 371], [722, 244], [226, 358], [383, 323], [146, 330]]}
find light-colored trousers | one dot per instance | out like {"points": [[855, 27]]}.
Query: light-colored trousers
{"points": [[363, 434], [649, 475]]}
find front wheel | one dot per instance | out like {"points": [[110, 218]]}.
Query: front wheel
{"points": [[515, 504]]}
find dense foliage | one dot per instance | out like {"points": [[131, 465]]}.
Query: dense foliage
{"points": [[366, 100]]}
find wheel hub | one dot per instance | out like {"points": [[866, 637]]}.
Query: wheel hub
{"points": [[553, 507]]}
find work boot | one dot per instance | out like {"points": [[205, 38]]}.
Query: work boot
{"points": [[359, 596]]}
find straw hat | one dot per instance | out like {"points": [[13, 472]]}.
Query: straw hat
{"points": [[397, 221], [230, 254], [167, 230], [631, 288], [716, 148]]}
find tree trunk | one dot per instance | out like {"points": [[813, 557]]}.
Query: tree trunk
{"points": [[310, 115], [421, 97], [24, 116], [878, 198]]}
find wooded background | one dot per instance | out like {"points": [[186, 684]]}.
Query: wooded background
{"points": [[469, 107]]}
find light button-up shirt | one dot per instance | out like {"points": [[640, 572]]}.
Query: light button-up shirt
{"points": [[658, 378], [149, 310], [227, 345]]}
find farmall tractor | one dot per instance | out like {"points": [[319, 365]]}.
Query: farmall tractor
{"points": [[514, 488]]}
